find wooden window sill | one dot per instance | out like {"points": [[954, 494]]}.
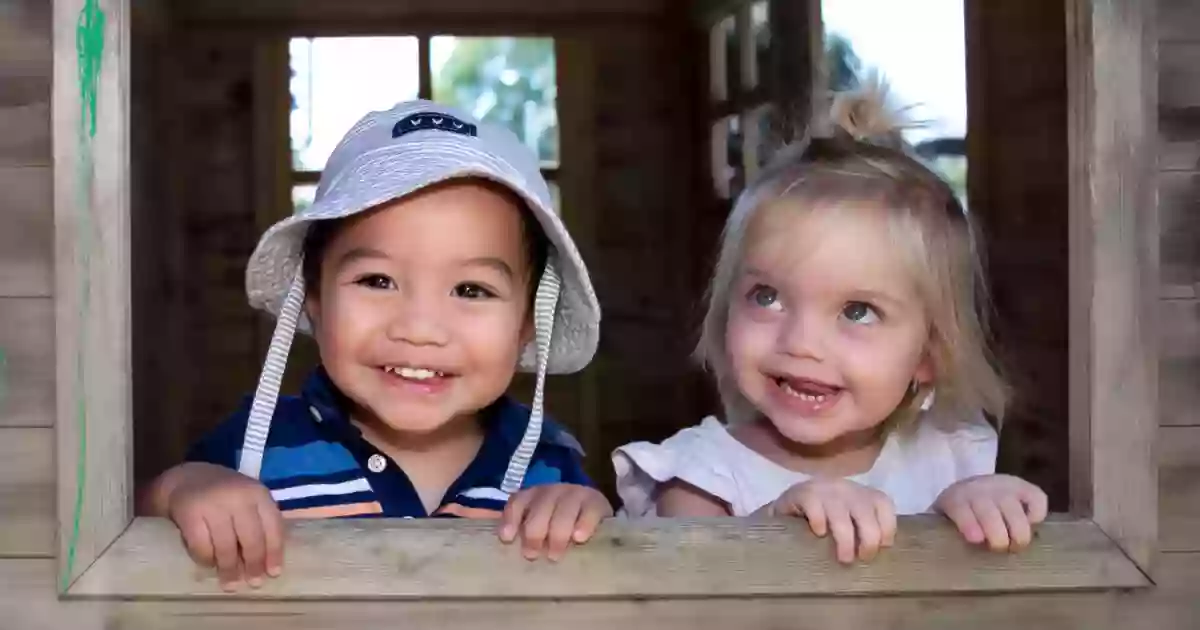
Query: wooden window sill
{"points": [[443, 559]]}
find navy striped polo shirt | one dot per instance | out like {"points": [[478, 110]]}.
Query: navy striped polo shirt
{"points": [[318, 465]]}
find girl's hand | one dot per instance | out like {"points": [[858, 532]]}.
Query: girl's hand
{"points": [[553, 516], [846, 509], [227, 520], [997, 509]]}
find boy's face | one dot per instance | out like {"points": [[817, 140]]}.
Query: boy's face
{"points": [[422, 309]]}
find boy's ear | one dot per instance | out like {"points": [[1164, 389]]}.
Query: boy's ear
{"points": [[312, 306], [527, 330]]}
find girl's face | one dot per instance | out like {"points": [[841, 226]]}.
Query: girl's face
{"points": [[826, 330], [422, 308]]}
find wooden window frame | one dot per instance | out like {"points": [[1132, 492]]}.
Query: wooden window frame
{"points": [[1109, 540]]}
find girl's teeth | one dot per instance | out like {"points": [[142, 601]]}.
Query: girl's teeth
{"points": [[819, 398]]}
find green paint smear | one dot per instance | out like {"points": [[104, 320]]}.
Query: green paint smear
{"points": [[89, 49]]}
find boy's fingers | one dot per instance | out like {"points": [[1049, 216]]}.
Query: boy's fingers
{"points": [[514, 514], [249, 530], [536, 526], [225, 546], [198, 542], [563, 523], [272, 520], [593, 512]]}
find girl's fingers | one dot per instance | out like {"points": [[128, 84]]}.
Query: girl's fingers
{"points": [[866, 525], [814, 512], [1036, 503], [886, 515], [1019, 531], [964, 518], [992, 523], [843, 531]]}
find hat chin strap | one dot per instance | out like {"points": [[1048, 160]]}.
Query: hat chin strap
{"points": [[544, 304], [271, 379], [258, 426]]}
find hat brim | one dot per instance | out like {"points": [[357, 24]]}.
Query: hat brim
{"points": [[396, 172]]}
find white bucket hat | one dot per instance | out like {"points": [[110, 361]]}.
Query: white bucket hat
{"points": [[392, 154]]}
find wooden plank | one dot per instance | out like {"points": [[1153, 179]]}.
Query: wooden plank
{"points": [[1179, 488], [323, 13], [1179, 106], [1179, 206], [27, 240], [1178, 20], [27, 602], [26, 362], [25, 83], [92, 277], [437, 559], [26, 493], [1114, 271]]}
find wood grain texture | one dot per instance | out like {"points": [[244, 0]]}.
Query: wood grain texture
{"points": [[26, 362], [27, 602], [25, 83], [1178, 21], [1179, 362], [1179, 206], [333, 11], [27, 238], [1179, 106], [92, 278], [26, 493], [1114, 270], [1179, 488], [437, 559]]}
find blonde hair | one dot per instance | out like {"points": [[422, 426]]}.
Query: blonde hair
{"points": [[860, 156]]}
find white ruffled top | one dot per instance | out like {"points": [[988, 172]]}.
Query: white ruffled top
{"points": [[913, 468]]}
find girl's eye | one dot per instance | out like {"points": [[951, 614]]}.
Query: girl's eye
{"points": [[375, 281], [470, 291], [860, 313], [764, 296]]}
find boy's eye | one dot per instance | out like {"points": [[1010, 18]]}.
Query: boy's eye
{"points": [[375, 281], [860, 313], [764, 296], [471, 291]]}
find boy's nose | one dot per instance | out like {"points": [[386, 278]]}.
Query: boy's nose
{"points": [[419, 322]]}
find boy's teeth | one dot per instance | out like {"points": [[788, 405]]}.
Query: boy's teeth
{"points": [[418, 374]]}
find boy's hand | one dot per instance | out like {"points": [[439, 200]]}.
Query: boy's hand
{"points": [[997, 509], [843, 508], [227, 520], [553, 516]]}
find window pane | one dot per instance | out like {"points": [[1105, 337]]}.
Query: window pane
{"points": [[926, 75], [337, 80], [759, 44], [724, 63], [303, 196], [509, 81]]}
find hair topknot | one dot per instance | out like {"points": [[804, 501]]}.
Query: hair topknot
{"points": [[864, 114]]}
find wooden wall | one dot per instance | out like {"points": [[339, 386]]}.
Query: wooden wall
{"points": [[27, 568], [1179, 216]]}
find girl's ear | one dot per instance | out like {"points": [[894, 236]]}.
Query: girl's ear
{"points": [[925, 372]]}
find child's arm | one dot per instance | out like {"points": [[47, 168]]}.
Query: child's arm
{"points": [[678, 498]]}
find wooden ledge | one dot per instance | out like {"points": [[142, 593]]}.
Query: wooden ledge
{"points": [[450, 559]]}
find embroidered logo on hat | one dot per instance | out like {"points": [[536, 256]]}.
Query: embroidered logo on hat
{"points": [[432, 121]]}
